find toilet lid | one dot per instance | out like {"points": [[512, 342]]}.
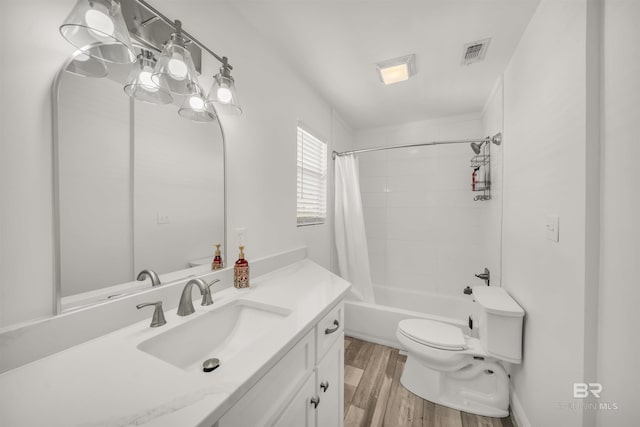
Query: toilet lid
{"points": [[433, 333]]}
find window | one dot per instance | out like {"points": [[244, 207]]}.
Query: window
{"points": [[312, 179]]}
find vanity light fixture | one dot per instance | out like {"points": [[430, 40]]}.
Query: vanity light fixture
{"points": [[195, 108], [397, 69], [86, 66], [102, 30], [223, 91], [142, 87], [176, 66], [97, 28]]}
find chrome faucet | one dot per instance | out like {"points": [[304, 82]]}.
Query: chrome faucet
{"points": [[155, 280], [185, 307], [486, 276], [158, 315]]}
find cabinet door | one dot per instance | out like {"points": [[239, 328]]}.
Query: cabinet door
{"points": [[264, 401], [300, 412], [330, 386]]}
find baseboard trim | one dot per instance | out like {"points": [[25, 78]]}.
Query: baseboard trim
{"points": [[517, 411]]}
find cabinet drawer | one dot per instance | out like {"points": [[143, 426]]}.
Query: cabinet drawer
{"points": [[328, 330], [273, 392]]}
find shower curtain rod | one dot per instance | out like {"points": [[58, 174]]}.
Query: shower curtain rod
{"points": [[496, 139]]}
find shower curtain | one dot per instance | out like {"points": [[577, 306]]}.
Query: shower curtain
{"points": [[351, 240]]}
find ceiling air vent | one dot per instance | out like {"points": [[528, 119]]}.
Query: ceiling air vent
{"points": [[474, 51]]}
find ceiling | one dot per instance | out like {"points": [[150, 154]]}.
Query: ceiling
{"points": [[335, 44]]}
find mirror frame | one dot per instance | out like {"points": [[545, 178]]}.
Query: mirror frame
{"points": [[57, 273]]}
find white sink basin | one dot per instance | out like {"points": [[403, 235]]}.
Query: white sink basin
{"points": [[221, 333]]}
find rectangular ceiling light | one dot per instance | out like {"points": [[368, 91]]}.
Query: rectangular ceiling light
{"points": [[397, 69]]}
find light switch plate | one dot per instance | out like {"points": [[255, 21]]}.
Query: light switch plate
{"points": [[163, 218], [552, 226]]}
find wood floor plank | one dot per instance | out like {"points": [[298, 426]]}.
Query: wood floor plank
{"points": [[364, 353], [377, 418], [395, 406], [447, 417], [374, 396], [366, 395], [472, 420], [418, 411], [351, 352], [347, 343], [353, 417], [428, 413], [352, 377]]}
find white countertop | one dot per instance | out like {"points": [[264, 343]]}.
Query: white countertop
{"points": [[109, 382]]}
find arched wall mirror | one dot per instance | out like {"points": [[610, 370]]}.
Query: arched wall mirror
{"points": [[136, 186]]}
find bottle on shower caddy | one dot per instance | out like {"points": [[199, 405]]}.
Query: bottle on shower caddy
{"points": [[217, 259], [474, 178], [241, 271]]}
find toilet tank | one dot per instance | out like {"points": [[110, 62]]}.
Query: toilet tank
{"points": [[500, 323]]}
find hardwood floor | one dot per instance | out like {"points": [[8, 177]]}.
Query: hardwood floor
{"points": [[373, 395]]}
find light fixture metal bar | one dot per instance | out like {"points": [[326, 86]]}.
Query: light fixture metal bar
{"points": [[189, 36], [496, 139]]}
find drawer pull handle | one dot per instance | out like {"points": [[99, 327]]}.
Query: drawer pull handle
{"points": [[315, 401], [332, 330], [324, 385]]}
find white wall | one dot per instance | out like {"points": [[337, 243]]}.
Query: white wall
{"points": [[261, 144], [545, 125], [619, 350], [424, 230], [492, 123], [25, 163]]}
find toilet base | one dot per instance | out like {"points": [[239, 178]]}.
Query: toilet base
{"points": [[470, 390]]}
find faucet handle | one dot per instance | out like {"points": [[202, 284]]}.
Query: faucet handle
{"points": [[158, 315], [207, 299]]}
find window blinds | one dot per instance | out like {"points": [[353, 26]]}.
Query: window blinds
{"points": [[312, 179]]}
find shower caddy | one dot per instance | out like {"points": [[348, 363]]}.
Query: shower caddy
{"points": [[481, 182]]}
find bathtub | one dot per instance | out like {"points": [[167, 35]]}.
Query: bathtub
{"points": [[377, 322]]}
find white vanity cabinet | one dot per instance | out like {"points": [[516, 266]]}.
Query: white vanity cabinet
{"points": [[305, 388]]}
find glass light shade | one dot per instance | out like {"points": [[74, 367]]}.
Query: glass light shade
{"points": [[176, 67], [223, 94], [196, 108], [86, 66], [142, 87], [97, 28]]}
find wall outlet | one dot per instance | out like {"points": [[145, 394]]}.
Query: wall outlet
{"points": [[552, 227], [163, 218], [241, 236]]}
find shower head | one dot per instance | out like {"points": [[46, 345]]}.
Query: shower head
{"points": [[476, 147], [496, 139]]}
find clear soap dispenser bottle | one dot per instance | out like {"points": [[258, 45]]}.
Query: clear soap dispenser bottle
{"points": [[241, 271]]}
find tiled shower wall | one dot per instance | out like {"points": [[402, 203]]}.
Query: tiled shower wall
{"points": [[424, 230]]}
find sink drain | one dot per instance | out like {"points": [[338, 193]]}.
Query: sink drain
{"points": [[210, 364]]}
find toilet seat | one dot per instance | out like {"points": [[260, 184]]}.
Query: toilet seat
{"points": [[433, 334]]}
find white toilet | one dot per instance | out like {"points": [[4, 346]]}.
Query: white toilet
{"points": [[461, 372]]}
